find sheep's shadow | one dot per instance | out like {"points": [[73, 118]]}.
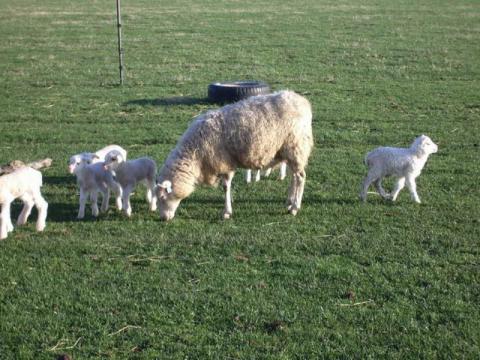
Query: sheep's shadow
{"points": [[172, 101]]}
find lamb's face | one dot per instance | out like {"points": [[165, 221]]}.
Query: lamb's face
{"points": [[167, 201], [73, 163], [427, 145], [113, 159]]}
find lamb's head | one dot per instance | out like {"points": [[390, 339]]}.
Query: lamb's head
{"points": [[113, 159], [168, 201], [80, 160], [424, 145]]}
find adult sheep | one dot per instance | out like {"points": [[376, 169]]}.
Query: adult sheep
{"points": [[255, 133]]}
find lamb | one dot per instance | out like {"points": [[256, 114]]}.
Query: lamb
{"points": [[282, 175], [256, 133], [24, 184], [94, 178], [97, 156], [129, 173], [404, 163]]}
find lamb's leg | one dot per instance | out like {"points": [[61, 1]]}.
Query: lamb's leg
{"points": [[5, 219], [380, 189], [283, 171], [227, 186], [117, 190], [94, 200], [298, 191], [105, 199], [27, 208], [412, 186], [42, 207], [83, 202], [151, 198], [248, 176], [371, 177], [398, 186], [127, 209]]}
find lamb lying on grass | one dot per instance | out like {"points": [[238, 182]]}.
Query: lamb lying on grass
{"points": [[92, 179], [93, 157], [282, 175], [404, 163], [129, 173], [24, 184], [255, 133]]}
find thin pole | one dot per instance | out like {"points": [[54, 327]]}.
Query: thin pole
{"points": [[120, 48]]}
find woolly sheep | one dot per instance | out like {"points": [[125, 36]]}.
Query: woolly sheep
{"points": [[93, 157], [24, 184], [255, 133], [282, 175], [129, 173], [94, 178], [405, 164]]}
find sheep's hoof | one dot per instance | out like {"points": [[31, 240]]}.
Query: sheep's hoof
{"points": [[41, 227], [293, 210], [226, 216]]}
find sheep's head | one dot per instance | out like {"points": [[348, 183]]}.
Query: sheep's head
{"points": [[80, 160], [167, 200], [113, 159], [425, 145]]}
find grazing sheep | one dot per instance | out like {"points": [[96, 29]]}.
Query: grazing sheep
{"points": [[129, 173], [93, 157], [282, 175], [255, 133], [94, 178], [404, 163], [24, 184]]}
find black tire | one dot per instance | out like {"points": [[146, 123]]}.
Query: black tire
{"points": [[229, 92]]}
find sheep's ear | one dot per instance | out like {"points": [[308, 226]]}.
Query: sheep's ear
{"points": [[166, 185], [95, 156]]}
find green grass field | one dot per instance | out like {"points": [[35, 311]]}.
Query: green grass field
{"points": [[342, 279]]}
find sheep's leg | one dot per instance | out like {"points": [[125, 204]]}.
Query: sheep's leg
{"points": [[412, 186], [380, 189], [127, 209], [5, 219], [291, 192], [42, 207], [283, 171], [268, 172], [83, 202], [94, 200], [27, 208], [227, 186], [9, 225], [398, 186], [298, 192], [257, 175], [248, 176]]}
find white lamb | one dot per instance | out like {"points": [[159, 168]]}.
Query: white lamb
{"points": [[92, 179], [255, 133], [404, 163], [93, 157], [129, 173], [267, 172], [24, 184]]}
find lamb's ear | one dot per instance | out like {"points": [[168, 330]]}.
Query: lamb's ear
{"points": [[95, 156]]}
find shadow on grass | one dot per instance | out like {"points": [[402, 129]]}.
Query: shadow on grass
{"points": [[59, 180], [176, 100]]}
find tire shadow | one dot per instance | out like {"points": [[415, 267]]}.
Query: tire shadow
{"points": [[172, 101]]}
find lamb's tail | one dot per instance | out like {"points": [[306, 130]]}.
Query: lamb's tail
{"points": [[365, 160]]}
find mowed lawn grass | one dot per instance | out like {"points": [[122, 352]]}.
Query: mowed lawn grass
{"points": [[342, 279]]}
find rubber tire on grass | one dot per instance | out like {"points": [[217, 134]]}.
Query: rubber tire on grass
{"points": [[228, 92]]}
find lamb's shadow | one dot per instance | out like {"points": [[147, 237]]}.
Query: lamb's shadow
{"points": [[59, 180], [172, 101]]}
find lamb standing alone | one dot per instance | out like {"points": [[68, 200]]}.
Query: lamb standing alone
{"points": [[24, 183], [404, 163], [255, 133], [94, 178], [97, 156], [129, 173]]}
